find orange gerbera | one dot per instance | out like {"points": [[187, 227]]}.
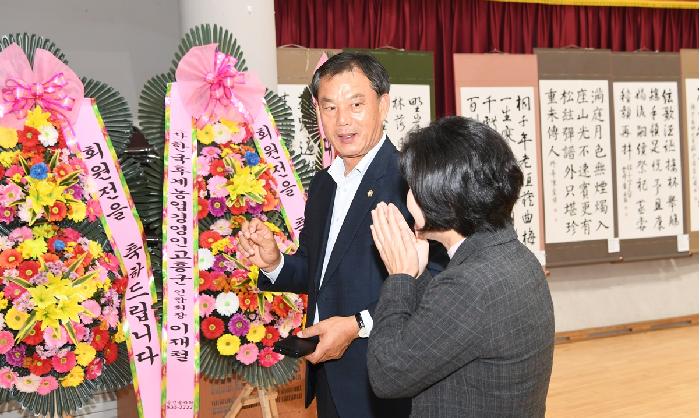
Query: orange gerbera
{"points": [[57, 212], [10, 258]]}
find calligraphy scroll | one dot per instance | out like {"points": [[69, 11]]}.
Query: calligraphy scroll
{"points": [[508, 101]]}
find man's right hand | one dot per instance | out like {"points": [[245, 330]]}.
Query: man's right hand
{"points": [[257, 243]]}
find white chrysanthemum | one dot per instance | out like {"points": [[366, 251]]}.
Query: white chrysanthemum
{"points": [[206, 259], [222, 134], [226, 303], [222, 226], [48, 135], [28, 383]]}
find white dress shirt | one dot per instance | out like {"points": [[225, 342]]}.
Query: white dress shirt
{"points": [[453, 249], [346, 187]]}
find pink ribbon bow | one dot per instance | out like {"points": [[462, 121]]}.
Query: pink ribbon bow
{"points": [[51, 85], [212, 88]]}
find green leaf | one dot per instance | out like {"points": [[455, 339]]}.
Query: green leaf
{"points": [[71, 332], [29, 43], [76, 263], [19, 282], [26, 327], [114, 111]]}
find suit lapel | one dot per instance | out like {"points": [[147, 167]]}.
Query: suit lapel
{"points": [[326, 193], [361, 205]]}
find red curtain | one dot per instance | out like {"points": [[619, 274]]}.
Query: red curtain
{"points": [[449, 26]]}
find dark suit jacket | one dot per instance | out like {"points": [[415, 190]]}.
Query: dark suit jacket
{"points": [[474, 341], [353, 279]]}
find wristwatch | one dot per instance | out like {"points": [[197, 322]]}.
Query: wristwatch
{"points": [[363, 332]]}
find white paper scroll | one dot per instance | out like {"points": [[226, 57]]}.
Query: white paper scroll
{"points": [[302, 144], [577, 163], [648, 160], [691, 102], [511, 112], [409, 108]]}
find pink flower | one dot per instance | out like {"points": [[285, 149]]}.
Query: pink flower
{"points": [[47, 385], [203, 166], [64, 363], [268, 358], [15, 169], [94, 210], [240, 135], [13, 291], [7, 378], [80, 330], [111, 315], [94, 311], [206, 305], [28, 384], [7, 214], [55, 338], [10, 193], [216, 188], [247, 354], [210, 152], [21, 234], [6, 341]]}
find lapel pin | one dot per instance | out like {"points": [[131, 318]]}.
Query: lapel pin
{"points": [[370, 193]]}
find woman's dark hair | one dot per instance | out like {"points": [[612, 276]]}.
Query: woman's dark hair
{"points": [[347, 61], [463, 175]]}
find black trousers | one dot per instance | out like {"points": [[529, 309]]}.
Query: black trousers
{"points": [[324, 400]]}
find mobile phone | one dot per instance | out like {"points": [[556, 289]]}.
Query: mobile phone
{"points": [[294, 346]]}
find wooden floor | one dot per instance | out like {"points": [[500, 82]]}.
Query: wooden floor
{"points": [[653, 374]]}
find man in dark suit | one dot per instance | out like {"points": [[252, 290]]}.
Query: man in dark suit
{"points": [[336, 263]]}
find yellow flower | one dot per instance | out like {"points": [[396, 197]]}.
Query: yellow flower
{"points": [[245, 183], [86, 290], [273, 228], [84, 353], [41, 297], [3, 302], [253, 275], [14, 319], [119, 337], [234, 127], [44, 231], [44, 193], [74, 378], [33, 248], [256, 333], [37, 118], [228, 344], [95, 249], [7, 158], [8, 137], [206, 135], [106, 285], [77, 211], [219, 245]]}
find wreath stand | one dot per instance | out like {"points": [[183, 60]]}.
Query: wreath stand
{"points": [[266, 398]]}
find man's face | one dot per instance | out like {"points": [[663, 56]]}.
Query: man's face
{"points": [[351, 113]]}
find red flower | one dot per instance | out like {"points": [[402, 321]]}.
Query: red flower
{"points": [[94, 369], [57, 212], [205, 280], [111, 352], [212, 327], [10, 258], [64, 364], [238, 210], [248, 301], [39, 366], [119, 285], [28, 269], [207, 238], [100, 338], [35, 335], [203, 208], [280, 307], [217, 168], [29, 138], [268, 358], [62, 170], [271, 336]]}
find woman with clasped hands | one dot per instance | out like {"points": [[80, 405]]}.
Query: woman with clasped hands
{"points": [[477, 339]]}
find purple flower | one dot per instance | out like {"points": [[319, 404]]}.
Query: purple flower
{"points": [[254, 209], [220, 263], [76, 191], [15, 357], [238, 325], [217, 206]]}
